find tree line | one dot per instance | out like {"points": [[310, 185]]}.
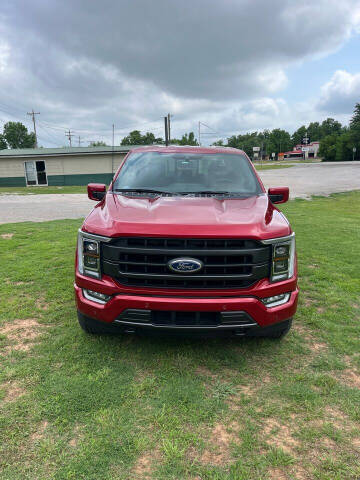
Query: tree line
{"points": [[279, 140], [337, 142]]}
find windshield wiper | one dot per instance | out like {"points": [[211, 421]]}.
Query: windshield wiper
{"points": [[218, 192], [141, 190], [209, 192]]}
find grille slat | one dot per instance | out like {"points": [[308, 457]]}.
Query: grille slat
{"points": [[228, 263]]}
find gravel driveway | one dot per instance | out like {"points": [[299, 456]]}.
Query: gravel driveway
{"points": [[304, 180]]}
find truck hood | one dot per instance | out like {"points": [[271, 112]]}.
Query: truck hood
{"points": [[253, 217]]}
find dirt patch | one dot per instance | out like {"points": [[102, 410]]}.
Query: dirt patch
{"points": [[218, 452], [76, 437], [205, 372], [356, 443], [336, 417], [21, 333], [279, 436], [144, 465], [277, 474], [308, 302], [41, 304], [301, 474], [17, 284], [314, 345], [39, 434], [351, 378], [13, 391], [6, 236], [313, 265], [318, 347]]}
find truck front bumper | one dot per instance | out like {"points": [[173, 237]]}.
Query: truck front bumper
{"points": [[136, 312]]}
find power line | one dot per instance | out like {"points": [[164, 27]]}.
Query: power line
{"points": [[204, 133], [50, 137]]}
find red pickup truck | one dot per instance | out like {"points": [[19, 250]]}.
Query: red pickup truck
{"points": [[186, 240]]}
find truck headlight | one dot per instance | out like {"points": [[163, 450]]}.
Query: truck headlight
{"points": [[283, 257], [89, 251]]}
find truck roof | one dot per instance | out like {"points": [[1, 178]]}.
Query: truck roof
{"points": [[186, 149]]}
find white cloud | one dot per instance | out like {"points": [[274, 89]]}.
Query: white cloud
{"points": [[340, 94], [85, 65]]}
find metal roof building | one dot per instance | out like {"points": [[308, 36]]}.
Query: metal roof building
{"points": [[60, 166]]}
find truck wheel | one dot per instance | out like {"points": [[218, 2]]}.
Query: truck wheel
{"points": [[276, 332], [279, 333], [92, 326]]}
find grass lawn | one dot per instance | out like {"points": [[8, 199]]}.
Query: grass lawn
{"points": [[42, 190], [271, 167], [75, 406]]}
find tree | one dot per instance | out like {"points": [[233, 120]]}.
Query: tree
{"points": [[278, 141], [188, 139], [355, 119], [97, 144], [135, 138], [330, 127], [314, 131], [3, 144], [343, 147], [298, 135], [354, 130], [17, 136], [247, 141], [327, 148]]}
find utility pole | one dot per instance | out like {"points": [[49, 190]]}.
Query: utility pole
{"points": [[112, 149], [199, 134], [32, 113], [68, 134], [169, 131], [79, 141], [166, 124]]}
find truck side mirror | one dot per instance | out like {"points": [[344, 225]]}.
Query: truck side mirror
{"points": [[279, 194], [96, 191]]}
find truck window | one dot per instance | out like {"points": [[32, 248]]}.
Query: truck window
{"points": [[188, 173]]}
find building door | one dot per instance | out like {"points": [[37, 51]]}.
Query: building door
{"points": [[35, 172]]}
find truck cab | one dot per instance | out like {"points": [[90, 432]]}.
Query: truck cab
{"points": [[186, 240]]}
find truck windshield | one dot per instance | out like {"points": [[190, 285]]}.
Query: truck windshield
{"points": [[182, 173]]}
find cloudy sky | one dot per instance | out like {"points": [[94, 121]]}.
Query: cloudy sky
{"points": [[235, 65]]}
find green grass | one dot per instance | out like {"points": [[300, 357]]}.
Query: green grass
{"points": [[42, 190], [271, 167], [81, 407]]}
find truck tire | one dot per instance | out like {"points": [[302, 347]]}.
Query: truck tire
{"points": [[275, 332], [92, 326]]}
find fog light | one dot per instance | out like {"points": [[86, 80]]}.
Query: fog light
{"points": [[276, 300], [96, 296]]}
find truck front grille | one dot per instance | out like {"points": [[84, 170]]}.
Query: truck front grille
{"points": [[142, 262], [163, 318]]}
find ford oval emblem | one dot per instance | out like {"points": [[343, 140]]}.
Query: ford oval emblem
{"points": [[185, 265]]}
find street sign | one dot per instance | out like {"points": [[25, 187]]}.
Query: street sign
{"points": [[354, 149], [256, 149], [273, 154]]}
